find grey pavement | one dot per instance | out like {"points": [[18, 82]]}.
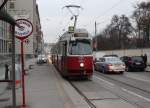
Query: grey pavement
{"points": [[147, 68], [3, 86], [42, 90]]}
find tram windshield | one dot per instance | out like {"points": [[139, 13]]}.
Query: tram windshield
{"points": [[80, 47]]}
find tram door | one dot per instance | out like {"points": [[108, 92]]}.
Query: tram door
{"points": [[64, 56]]}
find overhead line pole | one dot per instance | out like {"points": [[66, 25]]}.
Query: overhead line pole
{"points": [[95, 35], [13, 68]]}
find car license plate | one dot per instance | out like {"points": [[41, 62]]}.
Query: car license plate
{"points": [[138, 63]]}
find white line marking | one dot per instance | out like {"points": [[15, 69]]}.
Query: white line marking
{"points": [[105, 81], [130, 92]]}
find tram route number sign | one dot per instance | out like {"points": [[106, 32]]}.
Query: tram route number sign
{"points": [[24, 29]]}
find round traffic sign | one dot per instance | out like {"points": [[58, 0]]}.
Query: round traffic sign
{"points": [[24, 29]]}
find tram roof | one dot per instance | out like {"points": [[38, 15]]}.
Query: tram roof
{"points": [[67, 35]]}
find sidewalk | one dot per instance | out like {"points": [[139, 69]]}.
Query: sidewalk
{"points": [[148, 68], [42, 90]]}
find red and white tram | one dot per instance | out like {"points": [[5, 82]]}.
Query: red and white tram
{"points": [[72, 55]]}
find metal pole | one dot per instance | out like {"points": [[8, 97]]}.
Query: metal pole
{"points": [[95, 35], [75, 21], [13, 68], [3, 4], [95, 28], [22, 65]]}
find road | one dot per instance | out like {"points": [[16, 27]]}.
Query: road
{"points": [[128, 90]]}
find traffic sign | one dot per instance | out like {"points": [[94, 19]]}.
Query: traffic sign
{"points": [[24, 30]]}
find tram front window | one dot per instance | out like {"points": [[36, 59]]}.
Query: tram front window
{"points": [[80, 48]]}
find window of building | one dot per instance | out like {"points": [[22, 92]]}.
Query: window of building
{"points": [[12, 5], [0, 46]]}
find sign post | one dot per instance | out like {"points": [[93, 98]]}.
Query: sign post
{"points": [[24, 30]]}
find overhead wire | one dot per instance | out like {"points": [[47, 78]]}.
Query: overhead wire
{"points": [[114, 6], [110, 9]]}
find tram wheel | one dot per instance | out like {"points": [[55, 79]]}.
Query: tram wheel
{"points": [[90, 78]]}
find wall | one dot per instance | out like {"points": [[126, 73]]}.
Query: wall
{"points": [[129, 52]]}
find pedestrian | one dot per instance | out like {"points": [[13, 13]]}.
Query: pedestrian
{"points": [[6, 72], [145, 60]]}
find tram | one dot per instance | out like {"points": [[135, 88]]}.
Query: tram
{"points": [[72, 54]]}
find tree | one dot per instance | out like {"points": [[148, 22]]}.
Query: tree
{"points": [[141, 15], [115, 35]]}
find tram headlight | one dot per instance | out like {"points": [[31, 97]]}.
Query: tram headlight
{"points": [[81, 64]]}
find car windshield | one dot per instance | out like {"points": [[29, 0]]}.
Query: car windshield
{"points": [[112, 59], [137, 58], [80, 48]]}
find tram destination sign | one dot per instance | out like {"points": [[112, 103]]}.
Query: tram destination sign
{"points": [[24, 30]]}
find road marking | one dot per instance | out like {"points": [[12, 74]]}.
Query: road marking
{"points": [[130, 92], [104, 81], [138, 77]]}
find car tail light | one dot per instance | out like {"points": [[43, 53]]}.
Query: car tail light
{"points": [[123, 65], [130, 62], [109, 66]]}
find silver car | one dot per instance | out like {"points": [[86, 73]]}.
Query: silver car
{"points": [[41, 59], [109, 65]]}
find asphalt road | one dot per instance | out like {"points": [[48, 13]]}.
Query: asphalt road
{"points": [[128, 90]]}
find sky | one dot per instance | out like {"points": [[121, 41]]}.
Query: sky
{"points": [[55, 18]]}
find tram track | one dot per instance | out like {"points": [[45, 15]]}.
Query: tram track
{"points": [[82, 94], [90, 103], [121, 82], [121, 96]]}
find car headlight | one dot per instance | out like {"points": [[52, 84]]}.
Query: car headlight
{"points": [[81, 64]]}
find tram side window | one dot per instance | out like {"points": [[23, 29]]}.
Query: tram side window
{"points": [[80, 48], [59, 49], [64, 49]]}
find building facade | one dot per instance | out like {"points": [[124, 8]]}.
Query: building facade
{"points": [[27, 9], [5, 45]]}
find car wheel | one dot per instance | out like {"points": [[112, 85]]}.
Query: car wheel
{"points": [[103, 70], [142, 69], [121, 72], [95, 68], [128, 69]]}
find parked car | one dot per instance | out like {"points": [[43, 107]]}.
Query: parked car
{"points": [[110, 65], [133, 63], [41, 59], [111, 55]]}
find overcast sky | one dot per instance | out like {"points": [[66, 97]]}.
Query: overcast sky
{"points": [[55, 19]]}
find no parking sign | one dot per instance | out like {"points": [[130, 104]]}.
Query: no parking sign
{"points": [[24, 30]]}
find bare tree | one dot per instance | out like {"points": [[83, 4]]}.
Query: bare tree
{"points": [[142, 17]]}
